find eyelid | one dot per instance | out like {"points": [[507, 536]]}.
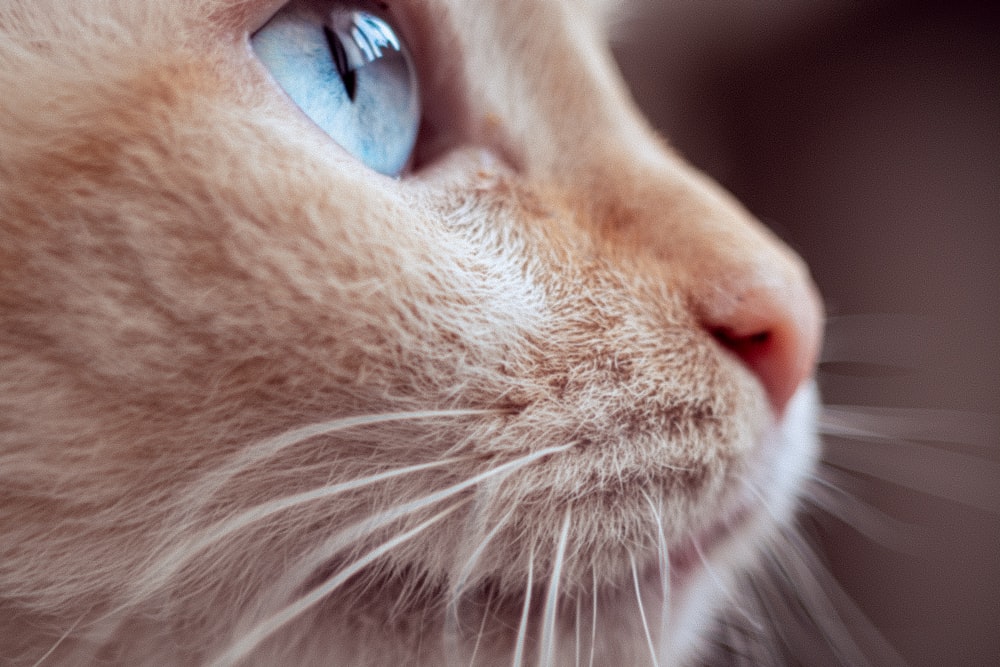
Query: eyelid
{"points": [[255, 13]]}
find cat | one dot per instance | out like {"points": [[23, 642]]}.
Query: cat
{"points": [[375, 333]]}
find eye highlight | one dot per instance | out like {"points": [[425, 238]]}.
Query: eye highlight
{"points": [[350, 72]]}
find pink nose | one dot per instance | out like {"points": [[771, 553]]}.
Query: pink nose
{"points": [[775, 328]]}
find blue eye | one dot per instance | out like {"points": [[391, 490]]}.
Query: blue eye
{"points": [[347, 70]]}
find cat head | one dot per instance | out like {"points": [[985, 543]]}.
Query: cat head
{"points": [[239, 362]]}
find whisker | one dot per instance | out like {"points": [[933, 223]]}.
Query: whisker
{"points": [[593, 617], [349, 535], [722, 586], [522, 628], [811, 601], [158, 573], [776, 591], [759, 495], [174, 560], [946, 474], [663, 562], [878, 423], [272, 446], [479, 635], [726, 589], [868, 520], [547, 651], [344, 538], [812, 577], [473, 558], [452, 628], [576, 632], [737, 605], [766, 504], [876, 339], [262, 631], [642, 612], [738, 642], [62, 638]]}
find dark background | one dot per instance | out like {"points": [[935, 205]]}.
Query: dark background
{"points": [[867, 134]]}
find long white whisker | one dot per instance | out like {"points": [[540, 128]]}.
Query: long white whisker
{"points": [[806, 575], [883, 340], [158, 572], [722, 585], [248, 457], [463, 576], [348, 536], [737, 641], [663, 562], [522, 628], [593, 617], [546, 653], [479, 635], [772, 629], [936, 425], [452, 630], [59, 642], [576, 632], [211, 483], [712, 573], [946, 474], [175, 559], [868, 520], [271, 446], [262, 631], [759, 495], [781, 627], [642, 612]]}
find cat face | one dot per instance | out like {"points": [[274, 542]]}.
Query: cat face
{"points": [[260, 399]]}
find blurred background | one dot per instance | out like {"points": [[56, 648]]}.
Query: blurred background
{"points": [[867, 134]]}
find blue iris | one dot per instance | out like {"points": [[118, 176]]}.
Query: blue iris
{"points": [[351, 74]]}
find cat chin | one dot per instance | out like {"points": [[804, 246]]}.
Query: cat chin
{"points": [[767, 501], [677, 610], [704, 569]]}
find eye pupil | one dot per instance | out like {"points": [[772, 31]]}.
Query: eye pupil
{"points": [[346, 72]]}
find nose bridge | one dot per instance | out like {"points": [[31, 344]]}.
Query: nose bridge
{"points": [[573, 126], [744, 286], [666, 210]]}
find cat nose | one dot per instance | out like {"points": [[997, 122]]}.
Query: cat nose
{"points": [[772, 320]]}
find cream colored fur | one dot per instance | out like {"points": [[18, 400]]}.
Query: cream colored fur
{"points": [[199, 291]]}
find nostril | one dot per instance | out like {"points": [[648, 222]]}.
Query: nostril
{"points": [[775, 333], [744, 346], [754, 350], [769, 361]]}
